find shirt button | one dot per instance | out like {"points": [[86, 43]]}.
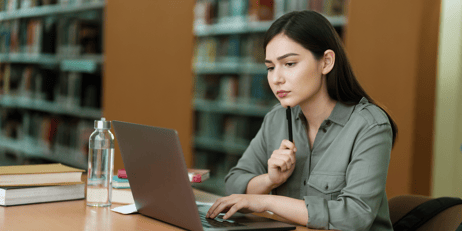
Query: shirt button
{"points": [[304, 182], [327, 187], [328, 123], [324, 130]]}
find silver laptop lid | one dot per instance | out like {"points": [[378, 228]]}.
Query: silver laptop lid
{"points": [[159, 181]]}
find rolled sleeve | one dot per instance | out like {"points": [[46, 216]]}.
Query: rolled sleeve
{"points": [[359, 201], [318, 217]]}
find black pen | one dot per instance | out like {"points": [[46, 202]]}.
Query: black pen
{"points": [[289, 123]]}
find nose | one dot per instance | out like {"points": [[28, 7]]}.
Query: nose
{"points": [[276, 77]]}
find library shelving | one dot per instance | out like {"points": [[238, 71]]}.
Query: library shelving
{"points": [[54, 8], [231, 92], [51, 60]]}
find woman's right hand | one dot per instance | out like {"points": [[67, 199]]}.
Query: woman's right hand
{"points": [[281, 165]]}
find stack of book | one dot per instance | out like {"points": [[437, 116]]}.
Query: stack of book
{"points": [[29, 184], [122, 194]]}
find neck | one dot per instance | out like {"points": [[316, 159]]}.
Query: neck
{"points": [[317, 109]]}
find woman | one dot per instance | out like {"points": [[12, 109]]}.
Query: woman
{"points": [[333, 175]]}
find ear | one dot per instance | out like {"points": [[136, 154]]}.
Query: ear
{"points": [[328, 61]]}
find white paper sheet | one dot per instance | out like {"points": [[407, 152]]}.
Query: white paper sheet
{"points": [[126, 209]]}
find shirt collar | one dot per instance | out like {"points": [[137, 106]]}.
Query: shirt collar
{"points": [[341, 112]]}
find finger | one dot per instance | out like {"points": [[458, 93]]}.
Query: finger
{"points": [[214, 206], [286, 144], [285, 152], [232, 211], [286, 161], [290, 159], [289, 154], [217, 211], [223, 206], [277, 163]]}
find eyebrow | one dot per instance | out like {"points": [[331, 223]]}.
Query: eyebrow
{"points": [[281, 57]]}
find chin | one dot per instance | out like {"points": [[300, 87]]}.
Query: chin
{"points": [[285, 104]]}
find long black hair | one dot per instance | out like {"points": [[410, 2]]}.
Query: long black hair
{"points": [[315, 33]]}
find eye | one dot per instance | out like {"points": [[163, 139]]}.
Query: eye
{"points": [[269, 68], [290, 64]]}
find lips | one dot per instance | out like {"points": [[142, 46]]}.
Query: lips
{"points": [[282, 93]]}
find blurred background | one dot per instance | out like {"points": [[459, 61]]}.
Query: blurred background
{"points": [[197, 67]]}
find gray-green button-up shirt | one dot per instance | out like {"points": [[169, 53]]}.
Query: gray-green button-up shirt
{"points": [[341, 179]]}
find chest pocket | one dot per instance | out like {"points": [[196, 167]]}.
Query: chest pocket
{"points": [[326, 186]]}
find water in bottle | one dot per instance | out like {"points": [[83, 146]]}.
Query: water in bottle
{"points": [[100, 165]]}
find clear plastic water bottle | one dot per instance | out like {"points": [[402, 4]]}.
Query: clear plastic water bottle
{"points": [[100, 165]]}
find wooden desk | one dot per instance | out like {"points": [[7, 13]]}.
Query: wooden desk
{"points": [[75, 215]]}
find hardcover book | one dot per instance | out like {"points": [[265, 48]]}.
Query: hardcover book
{"points": [[122, 196], [40, 174], [40, 194], [198, 175], [118, 182]]}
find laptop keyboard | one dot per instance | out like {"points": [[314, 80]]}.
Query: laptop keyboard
{"points": [[217, 222]]}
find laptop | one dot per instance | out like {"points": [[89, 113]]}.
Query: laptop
{"points": [[159, 181]]}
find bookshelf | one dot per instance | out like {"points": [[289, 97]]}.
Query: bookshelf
{"points": [[51, 58], [64, 7], [231, 93]]}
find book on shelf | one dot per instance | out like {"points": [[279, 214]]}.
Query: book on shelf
{"points": [[57, 135], [260, 90], [316, 5], [89, 37], [279, 8], [233, 52], [49, 35], [228, 89], [71, 94], [261, 10], [206, 50], [41, 174], [222, 49], [223, 11], [239, 8], [333, 7], [200, 87], [84, 130], [34, 37], [235, 129], [91, 90], [211, 85], [251, 50], [49, 2], [296, 5], [211, 45], [40, 194], [245, 90], [208, 122], [26, 4], [200, 12]]}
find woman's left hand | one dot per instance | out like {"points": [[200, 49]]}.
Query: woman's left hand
{"points": [[244, 203]]}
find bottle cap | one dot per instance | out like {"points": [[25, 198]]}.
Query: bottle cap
{"points": [[102, 124]]}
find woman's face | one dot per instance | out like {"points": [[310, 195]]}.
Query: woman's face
{"points": [[295, 76]]}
